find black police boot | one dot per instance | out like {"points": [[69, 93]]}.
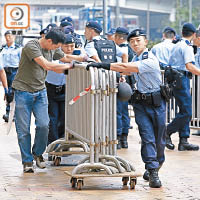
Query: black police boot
{"points": [[119, 145], [184, 145], [6, 116], [124, 143], [154, 181], [169, 143], [146, 173]]}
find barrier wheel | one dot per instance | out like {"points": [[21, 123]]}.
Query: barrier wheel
{"points": [[73, 182], [133, 183], [125, 180], [79, 184], [57, 161]]}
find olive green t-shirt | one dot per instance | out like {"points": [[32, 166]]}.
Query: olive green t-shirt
{"points": [[31, 76]]}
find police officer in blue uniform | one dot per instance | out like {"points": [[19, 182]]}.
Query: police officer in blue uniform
{"points": [[111, 34], [123, 119], [163, 49], [10, 57], [92, 34], [182, 59], [149, 105]]}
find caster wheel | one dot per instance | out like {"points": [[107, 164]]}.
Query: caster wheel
{"points": [[133, 183], [79, 184], [57, 161], [125, 180], [73, 182]]}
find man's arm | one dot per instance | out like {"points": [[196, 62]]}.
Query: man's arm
{"points": [[125, 58], [192, 68], [124, 67], [3, 78], [59, 68], [69, 58]]}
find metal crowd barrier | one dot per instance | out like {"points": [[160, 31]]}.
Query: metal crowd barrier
{"points": [[91, 120], [172, 108]]}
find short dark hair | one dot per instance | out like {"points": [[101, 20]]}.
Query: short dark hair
{"points": [[186, 33], [122, 36], [169, 35], [56, 35]]}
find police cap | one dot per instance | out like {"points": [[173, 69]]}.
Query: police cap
{"points": [[136, 33], [69, 38], [65, 23], [8, 32], [111, 31], [50, 26], [67, 19], [44, 31], [169, 29], [122, 30], [94, 25], [189, 27], [68, 29]]}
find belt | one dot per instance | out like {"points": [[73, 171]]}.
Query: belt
{"points": [[10, 69], [56, 88]]}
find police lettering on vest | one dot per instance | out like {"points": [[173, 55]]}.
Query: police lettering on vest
{"points": [[106, 50]]}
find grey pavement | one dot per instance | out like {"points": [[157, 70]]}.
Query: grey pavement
{"points": [[180, 174]]}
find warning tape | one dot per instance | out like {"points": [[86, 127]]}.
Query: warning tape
{"points": [[86, 90]]}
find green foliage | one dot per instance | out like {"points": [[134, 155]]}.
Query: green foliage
{"points": [[152, 43]]}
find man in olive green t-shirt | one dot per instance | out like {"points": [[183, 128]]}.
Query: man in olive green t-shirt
{"points": [[31, 96]]}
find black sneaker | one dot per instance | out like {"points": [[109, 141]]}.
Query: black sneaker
{"points": [[28, 167], [40, 161], [6, 117]]}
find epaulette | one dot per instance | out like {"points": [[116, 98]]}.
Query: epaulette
{"points": [[145, 55], [1, 48], [188, 42]]}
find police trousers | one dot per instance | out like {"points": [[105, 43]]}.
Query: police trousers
{"points": [[152, 129], [56, 110], [123, 119], [184, 101]]}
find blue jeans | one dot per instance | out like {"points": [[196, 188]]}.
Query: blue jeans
{"points": [[123, 119], [151, 123], [26, 104], [184, 101]]}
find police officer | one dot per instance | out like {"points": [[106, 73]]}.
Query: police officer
{"points": [[123, 119], [55, 84], [182, 59], [92, 33], [149, 105], [163, 50], [111, 34], [10, 57]]}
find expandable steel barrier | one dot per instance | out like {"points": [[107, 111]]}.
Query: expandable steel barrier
{"points": [[91, 118], [172, 108]]}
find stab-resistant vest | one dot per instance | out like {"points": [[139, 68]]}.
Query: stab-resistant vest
{"points": [[106, 50]]}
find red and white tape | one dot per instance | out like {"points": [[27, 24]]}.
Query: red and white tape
{"points": [[83, 93]]}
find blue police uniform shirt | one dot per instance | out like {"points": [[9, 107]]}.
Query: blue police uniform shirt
{"points": [[11, 56], [1, 64], [148, 79], [182, 53], [124, 50], [197, 58], [91, 51], [56, 78], [162, 51]]}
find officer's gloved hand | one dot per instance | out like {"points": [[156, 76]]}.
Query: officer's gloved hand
{"points": [[99, 65]]}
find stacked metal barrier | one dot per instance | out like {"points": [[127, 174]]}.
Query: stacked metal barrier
{"points": [[91, 118]]}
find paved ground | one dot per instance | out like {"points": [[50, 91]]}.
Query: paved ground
{"points": [[180, 175]]}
